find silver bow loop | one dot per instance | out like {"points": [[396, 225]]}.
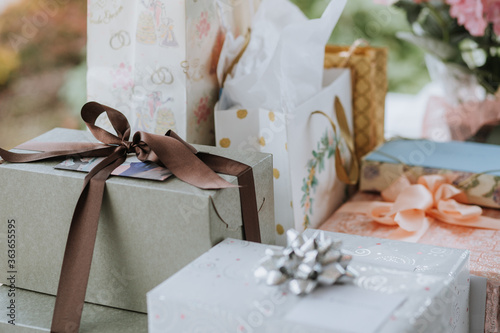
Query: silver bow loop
{"points": [[305, 263]]}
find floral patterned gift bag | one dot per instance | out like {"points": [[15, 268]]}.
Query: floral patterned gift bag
{"points": [[304, 146], [155, 60]]}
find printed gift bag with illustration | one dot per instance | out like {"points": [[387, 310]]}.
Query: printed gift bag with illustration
{"points": [[155, 60], [275, 102]]}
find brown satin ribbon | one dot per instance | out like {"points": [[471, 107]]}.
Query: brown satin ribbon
{"points": [[183, 160]]}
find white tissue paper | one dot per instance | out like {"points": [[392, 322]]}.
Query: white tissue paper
{"points": [[282, 66], [276, 83]]}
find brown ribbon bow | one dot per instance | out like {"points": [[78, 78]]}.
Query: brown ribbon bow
{"points": [[196, 168]]}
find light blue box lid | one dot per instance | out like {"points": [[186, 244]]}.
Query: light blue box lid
{"points": [[454, 155]]}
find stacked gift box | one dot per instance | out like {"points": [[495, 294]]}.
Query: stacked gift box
{"points": [[207, 232], [160, 72], [33, 313], [139, 232]]}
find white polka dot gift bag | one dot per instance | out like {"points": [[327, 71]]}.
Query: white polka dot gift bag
{"points": [[278, 99]]}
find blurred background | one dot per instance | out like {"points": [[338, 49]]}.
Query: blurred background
{"points": [[43, 68]]}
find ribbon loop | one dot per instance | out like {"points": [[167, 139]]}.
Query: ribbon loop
{"points": [[435, 197], [414, 197], [412, 207], [410, 220], [458, 211], [92, 110], [381, 212]]}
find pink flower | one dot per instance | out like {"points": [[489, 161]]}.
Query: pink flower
{"points": [[203, 26], [203, 110], [123, 77], [492, 11], [469, 13]]}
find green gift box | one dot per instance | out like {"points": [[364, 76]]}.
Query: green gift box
{"points": [[148, 230], [31, 312]]}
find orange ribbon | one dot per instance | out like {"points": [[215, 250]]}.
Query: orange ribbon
{"points": [[412, 207]]}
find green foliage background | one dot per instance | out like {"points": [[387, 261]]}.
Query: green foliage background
{"points": [[378, 25]]}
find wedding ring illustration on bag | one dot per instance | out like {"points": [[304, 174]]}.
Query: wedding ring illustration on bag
{"points": [[119, 40], [305, 263], [193, 70], [185, 66], [162, 75]]}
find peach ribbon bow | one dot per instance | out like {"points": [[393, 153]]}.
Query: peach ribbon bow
{"points": [[412, 207]]}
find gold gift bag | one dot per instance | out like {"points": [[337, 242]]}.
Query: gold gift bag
{"points": [[369, 86]]}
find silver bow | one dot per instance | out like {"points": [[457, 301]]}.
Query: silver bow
{"points": [[305, 263]]}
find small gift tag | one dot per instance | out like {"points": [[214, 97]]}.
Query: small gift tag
{"points": [[132, 167]]}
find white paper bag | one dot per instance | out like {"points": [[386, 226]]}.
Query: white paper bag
{"points": [[267, 104], [306, 188], [155, 60]]}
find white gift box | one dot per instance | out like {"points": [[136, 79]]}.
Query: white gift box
{"points": [[156, 60], [306, 188], [402, 287]]}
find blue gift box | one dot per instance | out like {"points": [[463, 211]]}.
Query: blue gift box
{"points": [[473, 167]]}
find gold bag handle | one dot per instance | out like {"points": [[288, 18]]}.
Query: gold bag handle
{"points": [[346, 176], [238, 57]]}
